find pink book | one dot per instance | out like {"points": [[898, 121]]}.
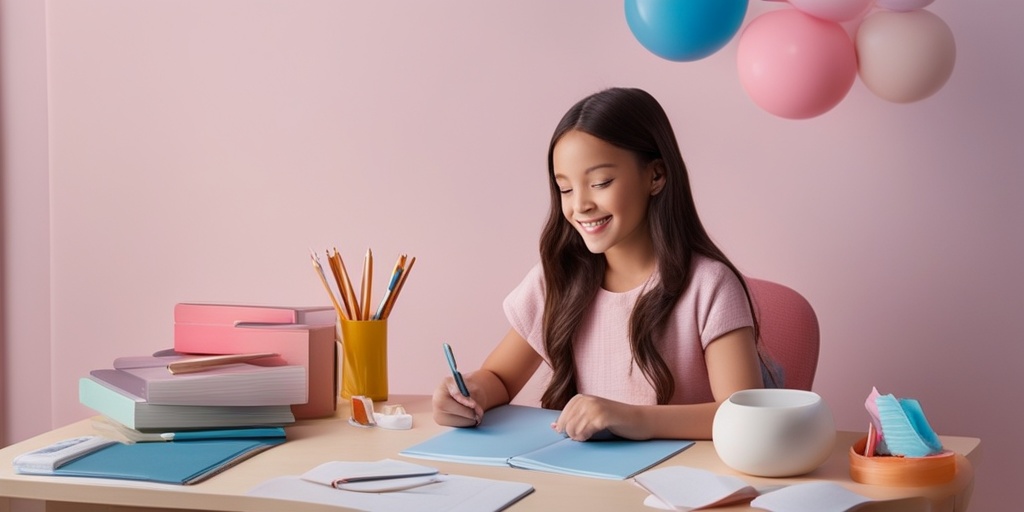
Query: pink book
{"points": [[232, 314], [232, 329]]}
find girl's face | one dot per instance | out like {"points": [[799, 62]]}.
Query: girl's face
{"points": [[605, 192]]}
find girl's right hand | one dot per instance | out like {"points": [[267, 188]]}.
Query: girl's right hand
{"points": [[454, 410]]}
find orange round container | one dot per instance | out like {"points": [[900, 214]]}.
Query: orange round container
{"points": [[901, 471]]}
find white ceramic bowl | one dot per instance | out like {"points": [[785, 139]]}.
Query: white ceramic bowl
{"points": [[774, 432]]}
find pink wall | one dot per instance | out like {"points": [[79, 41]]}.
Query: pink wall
{"points": [[25, 341], [197, 150]]}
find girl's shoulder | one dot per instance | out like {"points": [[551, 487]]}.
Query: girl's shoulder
{"points": [[532, 284], [524, 305], [705, 268], [710, 276], [534, 278]]}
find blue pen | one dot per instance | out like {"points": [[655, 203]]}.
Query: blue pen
{"points": [[387, 294], [455, 371]]}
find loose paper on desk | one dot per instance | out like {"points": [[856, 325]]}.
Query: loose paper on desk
{"points": [[448, 493], [380, 476], [686, 488], [810, 497]]}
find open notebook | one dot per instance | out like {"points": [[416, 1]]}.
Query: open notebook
{"points": [[522, 437]]}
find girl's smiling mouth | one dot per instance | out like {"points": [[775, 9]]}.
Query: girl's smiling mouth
{"points": [[593, 225]]}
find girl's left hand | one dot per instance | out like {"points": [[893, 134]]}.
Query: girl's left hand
{"points": [[584, 416]]}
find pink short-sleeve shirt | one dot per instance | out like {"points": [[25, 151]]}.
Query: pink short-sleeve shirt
{"points": [[713, 304]]}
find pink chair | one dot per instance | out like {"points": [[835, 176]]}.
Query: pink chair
{"points": [[789, 332]]}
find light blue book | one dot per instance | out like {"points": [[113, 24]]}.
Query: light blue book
{"points": [[522, 437], [175, 462]]}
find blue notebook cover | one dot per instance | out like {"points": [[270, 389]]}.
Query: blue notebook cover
{"points": [[519, 436], [175, 462]]}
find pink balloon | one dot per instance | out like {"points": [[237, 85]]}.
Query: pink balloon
{"points": [[833, 10], [794, 65], [905, 56], [903, 5]]}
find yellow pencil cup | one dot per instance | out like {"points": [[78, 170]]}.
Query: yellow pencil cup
{"points": [[364, 363]]}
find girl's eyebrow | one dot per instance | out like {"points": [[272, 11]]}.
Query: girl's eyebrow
{"points": [[590, 169]]}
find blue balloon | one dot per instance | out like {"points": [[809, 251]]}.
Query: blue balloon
{"points": [[684, 30]]}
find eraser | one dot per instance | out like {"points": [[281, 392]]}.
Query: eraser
{"points": [[393, 417], [362, 412]]}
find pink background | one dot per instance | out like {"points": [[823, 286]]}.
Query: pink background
{"points": [[165, 151]]}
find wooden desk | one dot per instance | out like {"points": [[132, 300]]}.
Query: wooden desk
{"points": [[313, 442]]}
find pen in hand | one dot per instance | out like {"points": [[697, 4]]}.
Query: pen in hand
{"points": [[455, 371]]}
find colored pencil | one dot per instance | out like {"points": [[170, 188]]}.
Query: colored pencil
{"points": [[338, 281], [367, 284], [349, 292], [323, 279]]}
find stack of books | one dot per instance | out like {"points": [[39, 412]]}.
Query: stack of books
{"points": [[303, 336], [232, 366], [170, 392]]}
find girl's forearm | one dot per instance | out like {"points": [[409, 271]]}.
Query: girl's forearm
{"points": [[692, 421], [487, 389]]}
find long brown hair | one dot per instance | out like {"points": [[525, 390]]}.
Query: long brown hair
{"points": [[633, 120]]}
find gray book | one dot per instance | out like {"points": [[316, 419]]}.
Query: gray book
{"points": [[134, 412]]}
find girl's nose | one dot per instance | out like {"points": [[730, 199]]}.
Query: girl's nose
{"points": [[582, 202]]}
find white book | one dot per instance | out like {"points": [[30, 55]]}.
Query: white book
{"points": [[442, 493]]}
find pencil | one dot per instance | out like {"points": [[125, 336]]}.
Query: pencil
{"points": [[323, 279], [199, 364], [398, 288], [338, 281], [365, 291], [349, 292]]}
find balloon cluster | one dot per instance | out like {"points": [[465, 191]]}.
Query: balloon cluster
{"points": [[800, 62]]}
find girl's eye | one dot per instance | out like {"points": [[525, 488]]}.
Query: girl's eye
{"points": [[603, 184], [564, 191]]}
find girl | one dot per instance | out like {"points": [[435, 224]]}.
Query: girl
{"points": [[646, 325]]}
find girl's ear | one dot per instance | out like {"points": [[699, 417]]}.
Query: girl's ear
{"points": [[657, 176]]}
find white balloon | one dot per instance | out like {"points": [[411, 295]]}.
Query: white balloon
{"points": [[905, 56]]}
